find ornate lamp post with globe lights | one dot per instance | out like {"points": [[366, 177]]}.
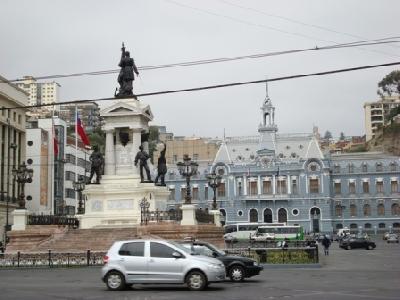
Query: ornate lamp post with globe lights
{"points": [[79, 186], [144, 211], [214, 182], [187, 169], [22, 175]]}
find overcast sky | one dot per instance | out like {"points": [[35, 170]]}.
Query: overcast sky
{"points": [[60, 37]]}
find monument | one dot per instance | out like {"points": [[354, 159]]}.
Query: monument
{"points": [[115, 200]]}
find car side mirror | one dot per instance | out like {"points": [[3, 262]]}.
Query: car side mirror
{"points": [[177, 254], [214, 254]]}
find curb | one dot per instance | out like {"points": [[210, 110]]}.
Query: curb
{"points": [[292, 266]]}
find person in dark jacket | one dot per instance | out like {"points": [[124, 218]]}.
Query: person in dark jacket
{"points": [[326, 243]]}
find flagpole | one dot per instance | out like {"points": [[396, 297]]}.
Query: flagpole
{"points": [[76, 149], [52, 164]]}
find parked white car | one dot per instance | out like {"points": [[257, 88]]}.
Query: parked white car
{"points": [[158, 261]]}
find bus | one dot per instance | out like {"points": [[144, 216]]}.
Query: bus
{"points": [[285, 232], [243, 231]]}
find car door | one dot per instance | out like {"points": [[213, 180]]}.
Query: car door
{"points": [[132, 258], [163, 267]]}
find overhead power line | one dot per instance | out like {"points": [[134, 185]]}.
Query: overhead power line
{"points": [[225, 85], [249, 23], [386, 40], [295, 21]]}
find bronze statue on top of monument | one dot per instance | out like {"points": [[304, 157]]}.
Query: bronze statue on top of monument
{"points": [[126, 75]]}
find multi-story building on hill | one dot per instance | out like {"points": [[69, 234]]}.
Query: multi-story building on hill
{"points": [[89, 113], [202, 150], [376, 114], [40, 92]]}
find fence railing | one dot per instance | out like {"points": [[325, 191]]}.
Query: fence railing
{"points": [[283, 255], [202, 216], [51, 259], [53, 220], [270, 244]]}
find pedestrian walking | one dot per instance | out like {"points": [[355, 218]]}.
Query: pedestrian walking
{"points": [[326, 242]]}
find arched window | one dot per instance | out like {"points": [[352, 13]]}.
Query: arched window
{"points": [[353, 210], [395, 209], [253, 215], [367, 226], [381, 225], [367, 210], [379, 167], [393, 166], [396, 225], [381, 209], [338, 211], [268, 215], [282, 215], [353, 226], [365, 167]]}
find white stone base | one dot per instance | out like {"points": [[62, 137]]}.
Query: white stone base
{"points": [[188, 214], [116, 201], [217, 217], [20, 217]]}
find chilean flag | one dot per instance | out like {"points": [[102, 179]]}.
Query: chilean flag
{"points": [[81, 131]]}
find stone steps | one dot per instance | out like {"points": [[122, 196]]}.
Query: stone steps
{"points": [[43, 238]]}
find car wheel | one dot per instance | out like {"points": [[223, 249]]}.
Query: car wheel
{"points": [[369, 247], [115, 281], [348, 247], [196, 281], [236, 273]]}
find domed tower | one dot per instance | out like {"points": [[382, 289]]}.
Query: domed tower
{"points": [[267, 128]]}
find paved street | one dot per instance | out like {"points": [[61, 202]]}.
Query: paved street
{"points": [[354, 274]]}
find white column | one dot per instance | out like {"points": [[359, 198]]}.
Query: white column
{"points": [[244, 185], [288, 187], [259, 185], [273, 184], [136, 142], [110, 153]]}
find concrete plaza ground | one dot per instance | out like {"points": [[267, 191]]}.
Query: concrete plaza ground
{"points": [[354, 274]]}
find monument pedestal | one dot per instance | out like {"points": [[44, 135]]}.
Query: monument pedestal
{"points": [[116, 201], [217, 217], [188, 214], [20, 217]]}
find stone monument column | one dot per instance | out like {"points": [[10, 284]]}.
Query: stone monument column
{"points": [[110, 153]]}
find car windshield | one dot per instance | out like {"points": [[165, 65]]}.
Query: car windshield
{"points": [[213, 248], [184, 249]]}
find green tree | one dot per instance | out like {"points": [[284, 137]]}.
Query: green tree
{"points": [[342, 136], [390, 84], [327, 135]]}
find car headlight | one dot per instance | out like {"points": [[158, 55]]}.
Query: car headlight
{"points": [[212, 266], [255, 263]]}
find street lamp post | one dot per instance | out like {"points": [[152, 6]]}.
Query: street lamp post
{"points": [[214, 182], [22, 175], [79, 186], [343, 207], [187, 169], [144, 211]]}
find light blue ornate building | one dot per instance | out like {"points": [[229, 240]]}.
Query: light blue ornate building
{"points": [[286, 178]]}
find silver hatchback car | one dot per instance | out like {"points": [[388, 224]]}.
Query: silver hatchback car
{"points": [[158, 261]]}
